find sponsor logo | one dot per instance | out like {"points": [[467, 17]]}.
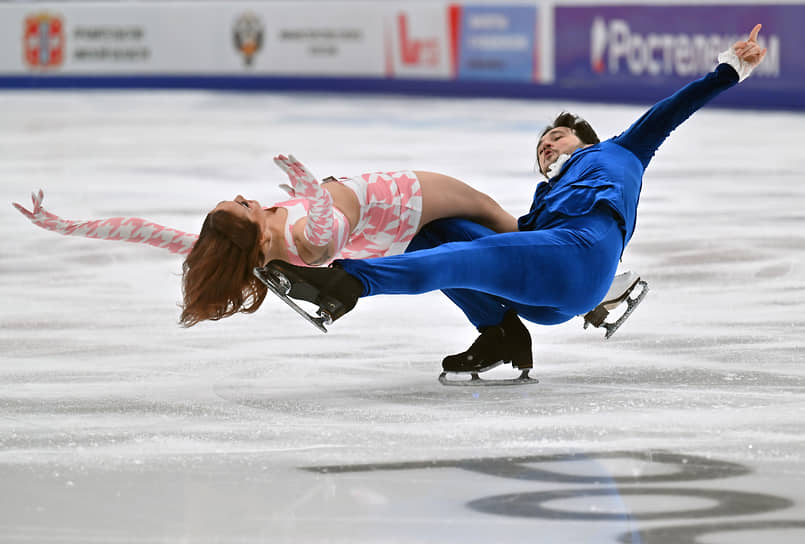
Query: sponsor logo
{"points": [[497, 43], [322, 41], [615, 48], [43, 40], [416, 51], [247, 33], [110, 44]]}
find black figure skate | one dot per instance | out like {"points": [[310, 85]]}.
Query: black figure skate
{"points": [[621, 291], [508, 342], [332, 290]]}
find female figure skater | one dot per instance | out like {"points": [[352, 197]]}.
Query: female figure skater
{"points": [[371, 215]]}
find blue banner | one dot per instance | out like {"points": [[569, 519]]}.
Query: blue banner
{"points": [[497, 43], [648, 51]]}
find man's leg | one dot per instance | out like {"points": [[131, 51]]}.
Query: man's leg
{"points": [[480, 308], [546, 276], [564, 271], [447, 230], [503, 336]]}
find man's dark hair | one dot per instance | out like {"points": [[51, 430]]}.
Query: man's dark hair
{"points": [[579, 126]]}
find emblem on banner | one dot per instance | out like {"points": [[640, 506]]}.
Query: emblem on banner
{"points": [[248, 35], [598, 45], [416, 51], [43, 40]]}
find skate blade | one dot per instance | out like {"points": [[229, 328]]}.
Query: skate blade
{"points": [[613, 300], [476, 381], [631, 304], [280, 286]]}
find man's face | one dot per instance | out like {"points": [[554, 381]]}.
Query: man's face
{"points": [[555, 142]]}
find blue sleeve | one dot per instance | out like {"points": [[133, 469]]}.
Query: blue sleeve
{"points": [[644, 137]]}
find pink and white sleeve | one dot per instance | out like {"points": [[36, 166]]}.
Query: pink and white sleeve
{"points": [[323, 220], [126, 229], [325, 223]]}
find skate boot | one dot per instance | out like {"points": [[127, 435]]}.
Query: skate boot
{"points": [[621, 291], [332, 290], [508, 342]]}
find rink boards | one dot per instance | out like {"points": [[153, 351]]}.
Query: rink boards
{"points": [[631, 53]]}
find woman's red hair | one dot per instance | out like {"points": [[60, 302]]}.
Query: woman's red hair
{"points": [[217, 279]]}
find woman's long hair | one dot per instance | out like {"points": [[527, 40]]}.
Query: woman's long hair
{"points": [[217, 279]]}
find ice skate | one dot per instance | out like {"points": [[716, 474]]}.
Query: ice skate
{"points": [[506, 343], [621, 291], [332, 290]]}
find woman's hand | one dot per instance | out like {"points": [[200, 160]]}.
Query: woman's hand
{"points": [[41, 217], [303, 183]]}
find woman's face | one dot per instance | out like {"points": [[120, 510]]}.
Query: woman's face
{"points": [[249, 210], [253, 212]]}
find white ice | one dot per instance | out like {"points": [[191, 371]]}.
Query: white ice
{"points": [[117, 425]]}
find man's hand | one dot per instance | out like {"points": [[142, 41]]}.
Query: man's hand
{"points": [[744, 55], [750, 51]]}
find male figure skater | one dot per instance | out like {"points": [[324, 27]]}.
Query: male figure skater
{"points": [[563, 258]]}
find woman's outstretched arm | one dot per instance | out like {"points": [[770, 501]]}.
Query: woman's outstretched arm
{"points": [[126, 229]]}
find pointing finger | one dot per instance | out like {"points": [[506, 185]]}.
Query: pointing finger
{"points": [[754, 33]]}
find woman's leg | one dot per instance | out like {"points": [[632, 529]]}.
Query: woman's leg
{"points": [[443, 196]]}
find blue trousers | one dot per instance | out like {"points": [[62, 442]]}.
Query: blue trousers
{"points": [[548, 276]]}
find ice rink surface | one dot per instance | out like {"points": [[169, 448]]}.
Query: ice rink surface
{"points": [[117, 425]]}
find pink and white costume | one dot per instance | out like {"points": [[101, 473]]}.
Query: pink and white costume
{"points": [[126, 229], [390, 211]]}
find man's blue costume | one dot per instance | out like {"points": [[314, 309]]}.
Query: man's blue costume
{"points": [[563, 259]]}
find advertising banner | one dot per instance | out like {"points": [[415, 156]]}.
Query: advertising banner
{"points": [[497, 42], [528, 49], [181, 38], [52, 38], [310, 39], [102, 39], [651, 50], [421, 41]]}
